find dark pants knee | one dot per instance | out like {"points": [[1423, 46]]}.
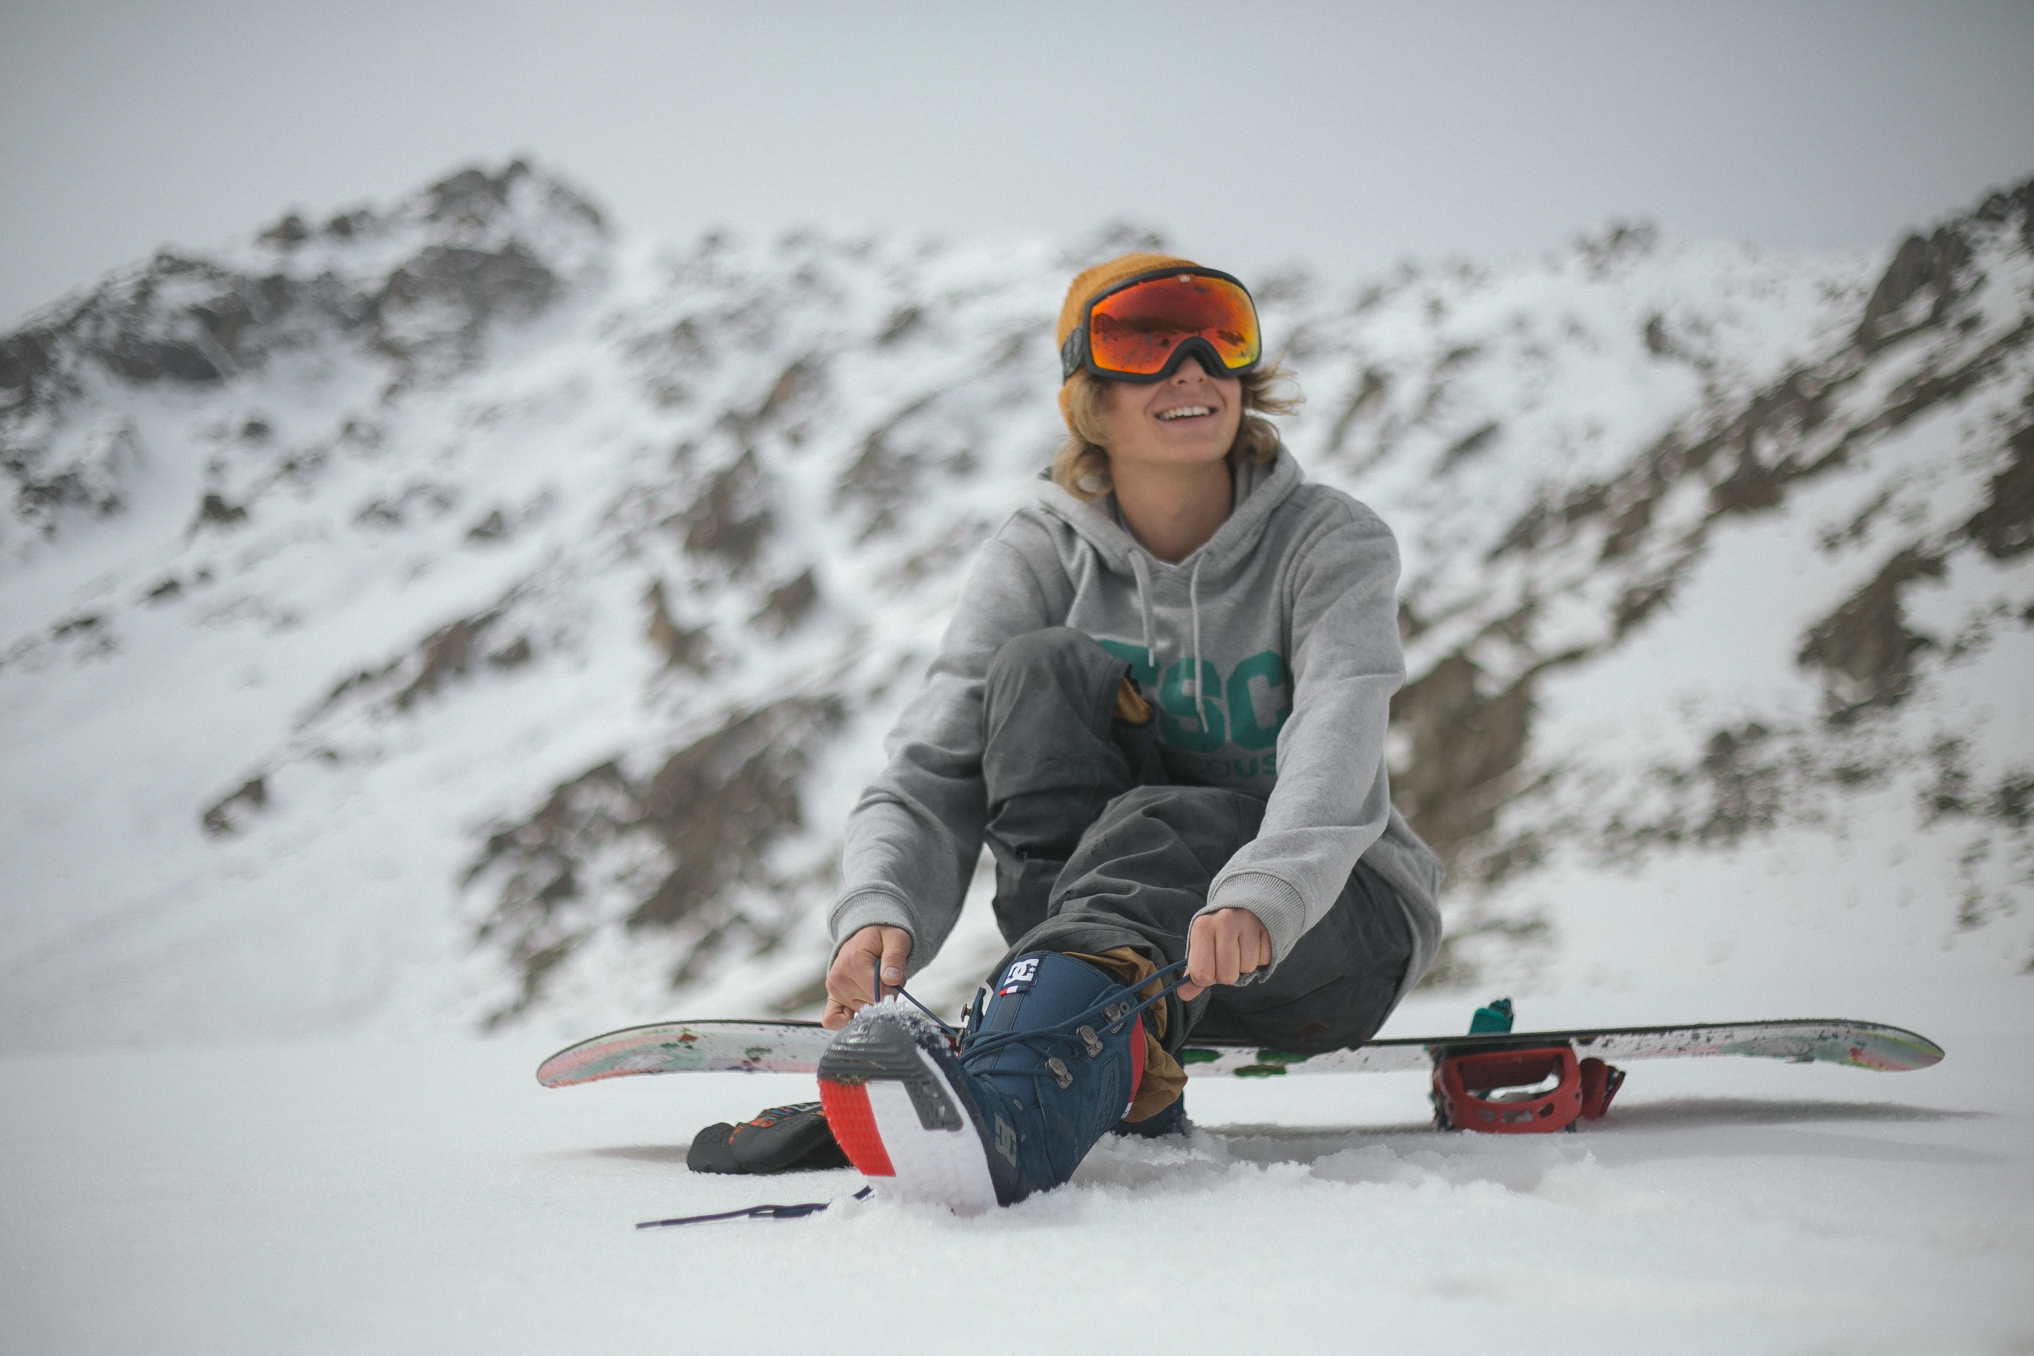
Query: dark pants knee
{"points": [[1141, 873], [1053, 756]]}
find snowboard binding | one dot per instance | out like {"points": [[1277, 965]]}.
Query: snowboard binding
{"points": [[1532, 1091]]}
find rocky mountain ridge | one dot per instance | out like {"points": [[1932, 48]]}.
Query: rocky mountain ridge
{"points": [[452, 613]]}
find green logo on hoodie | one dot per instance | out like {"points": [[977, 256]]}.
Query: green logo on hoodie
{"points": [[1235, 713]]}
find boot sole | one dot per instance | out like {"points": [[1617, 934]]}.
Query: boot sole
{"points": [[899, 1120]]}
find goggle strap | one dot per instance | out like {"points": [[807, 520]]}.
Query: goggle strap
{"points": [[1073, 353]]}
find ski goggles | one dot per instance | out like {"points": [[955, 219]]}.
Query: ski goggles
{"points": [[1145, 326]]}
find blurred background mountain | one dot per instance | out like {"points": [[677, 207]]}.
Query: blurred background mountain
{"points": [[449, 612]]}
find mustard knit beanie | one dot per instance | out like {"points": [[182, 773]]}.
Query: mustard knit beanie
{"points": [[1101, 278]]}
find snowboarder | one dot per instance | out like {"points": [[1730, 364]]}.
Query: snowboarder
{"points": [[1162, 702]]}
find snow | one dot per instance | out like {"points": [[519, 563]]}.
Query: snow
{"points": [[347, 1196]]}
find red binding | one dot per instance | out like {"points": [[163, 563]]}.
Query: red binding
{"points": [[1463, 1084]]}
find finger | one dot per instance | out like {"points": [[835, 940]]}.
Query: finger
{"points": [[1226, 959], [1250, 950], [847, 980], [1188, 992], [1201, 953], [840, 979], [835, 1017], [896, 950]]}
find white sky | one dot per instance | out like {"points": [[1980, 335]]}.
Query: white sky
{"points": [[1347, 136]]}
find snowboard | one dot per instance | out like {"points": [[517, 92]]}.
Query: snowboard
{"points": [[795, 1047]]}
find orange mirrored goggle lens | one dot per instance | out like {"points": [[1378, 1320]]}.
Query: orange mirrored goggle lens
{"points": [[1135, 331]]}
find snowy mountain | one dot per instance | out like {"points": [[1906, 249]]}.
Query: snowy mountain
{"points": [[453, 614]]}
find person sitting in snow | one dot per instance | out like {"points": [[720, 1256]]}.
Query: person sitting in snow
{"points": [[1162, 702]]}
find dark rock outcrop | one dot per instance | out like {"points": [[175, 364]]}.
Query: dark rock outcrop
{"points": [[708, 816], [484, 249]]}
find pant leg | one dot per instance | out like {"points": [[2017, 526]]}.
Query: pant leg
{"points": [[1142, 871], [1053, 756]]}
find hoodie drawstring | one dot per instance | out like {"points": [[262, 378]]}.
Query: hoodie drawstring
{"points": [[1194, 611], [1143, 574]]}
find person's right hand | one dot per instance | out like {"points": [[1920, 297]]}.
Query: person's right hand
{"points": [[1222, 947], [854, 969]]}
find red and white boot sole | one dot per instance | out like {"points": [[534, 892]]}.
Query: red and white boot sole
{"points": [[901, 1123]]}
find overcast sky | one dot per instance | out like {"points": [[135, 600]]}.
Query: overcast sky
{"points": [[1346, 136]]}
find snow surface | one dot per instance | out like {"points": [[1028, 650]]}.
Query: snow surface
{"points": [[326, 1196]]}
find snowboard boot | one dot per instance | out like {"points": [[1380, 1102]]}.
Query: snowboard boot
{"points": [[1170, 1121], [1044, 1073]]}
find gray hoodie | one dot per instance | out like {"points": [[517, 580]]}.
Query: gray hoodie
{"points": [[1288, 615]]}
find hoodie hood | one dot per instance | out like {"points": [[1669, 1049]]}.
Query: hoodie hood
{"points": [[1260, 487]]}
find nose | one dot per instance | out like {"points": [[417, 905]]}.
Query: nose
{"points": [[1189, 369]]}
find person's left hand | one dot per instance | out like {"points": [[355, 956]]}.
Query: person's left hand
{"points": [[1222, 947], [854, 969]]}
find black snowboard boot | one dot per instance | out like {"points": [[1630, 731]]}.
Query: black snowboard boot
{"points": [[791, 1138]]}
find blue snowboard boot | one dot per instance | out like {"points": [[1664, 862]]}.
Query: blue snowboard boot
{"points": [[1038, 1078]]}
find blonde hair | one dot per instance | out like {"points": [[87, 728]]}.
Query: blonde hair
{"points": [[1081, 466]]}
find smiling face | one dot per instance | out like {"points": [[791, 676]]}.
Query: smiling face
{"points": [[1188, 419]]}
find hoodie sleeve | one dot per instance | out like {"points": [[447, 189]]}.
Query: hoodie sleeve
{"points": [[1332, 799], [914, 837]]}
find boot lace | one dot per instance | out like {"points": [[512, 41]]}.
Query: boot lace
{"points": [[1116, 1008]]}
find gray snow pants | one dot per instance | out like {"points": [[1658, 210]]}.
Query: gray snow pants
{"points": [[1095, 849]]}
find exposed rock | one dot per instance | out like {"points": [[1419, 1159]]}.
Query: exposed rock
{"points": [[514, 655], [491, 528], [199, 321], [86, 473], [446, 653], [1616, 244], [1922, 264], [1864, 646], [229, 813], [709, 815], [434, 310], [903, 321], [1464, 748], [801, 378], [719, 803], [1469, 444], [216, 511], [882, 478], [788, 603], [681, 647], [2004, 527], [1368, 393], [732, 518]]}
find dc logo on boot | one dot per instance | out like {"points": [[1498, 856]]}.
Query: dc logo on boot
{"points": [[1020, 977], [1006, 1141]]}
